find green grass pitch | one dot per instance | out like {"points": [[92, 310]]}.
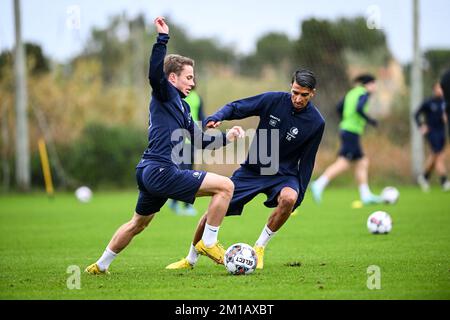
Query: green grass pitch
{"points": [[322, 253]]}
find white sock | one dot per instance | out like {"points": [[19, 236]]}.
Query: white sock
{"points": [[106, 259], [322, 182], [210, 235], [192, 256], [364, 191], [265, 236]]}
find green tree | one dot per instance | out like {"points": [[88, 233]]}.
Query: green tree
{"points": [[274, 50], [356, 37], [123, 48], [105, 155], [329, 48], [437, 62], [37, 62], [319, 49]]}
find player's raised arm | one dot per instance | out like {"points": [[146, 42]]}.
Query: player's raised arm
{"points": [[156, 75]]}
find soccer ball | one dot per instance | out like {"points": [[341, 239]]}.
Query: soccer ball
{"points": [[240, 259], [83, 194], [379, 222], [390, 195]]}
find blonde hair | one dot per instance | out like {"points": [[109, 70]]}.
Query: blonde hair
{"points": [[175, 63]]}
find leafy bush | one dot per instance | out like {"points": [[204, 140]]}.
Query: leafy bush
{"points": [[105, 155]]}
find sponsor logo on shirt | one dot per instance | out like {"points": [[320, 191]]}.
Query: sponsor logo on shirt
{"points": [[274, 121]]}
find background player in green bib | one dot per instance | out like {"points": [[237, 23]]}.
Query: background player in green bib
{"points": [[195, 102], [353, 109]]}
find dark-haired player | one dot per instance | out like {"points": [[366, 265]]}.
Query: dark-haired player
{"points": [[290, 130]]}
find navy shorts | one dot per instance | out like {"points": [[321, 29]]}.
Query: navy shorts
{"points": [[436, 139], [248, 184], [157, 183], [350, 146]]}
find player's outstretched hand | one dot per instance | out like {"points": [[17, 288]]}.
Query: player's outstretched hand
{"points": [[213, 124], [161, 25], [235, 132]]}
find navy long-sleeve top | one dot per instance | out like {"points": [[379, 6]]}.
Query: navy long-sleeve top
{"points": [[433, 109], [299, 133], [168, 112]]}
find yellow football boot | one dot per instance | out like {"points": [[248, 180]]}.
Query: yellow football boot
{"points": [[95, 270], [182, 264], [260, 255], [216, 252]]}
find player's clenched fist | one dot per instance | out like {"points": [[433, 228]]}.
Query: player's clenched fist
{"points": [[161, 26]]}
